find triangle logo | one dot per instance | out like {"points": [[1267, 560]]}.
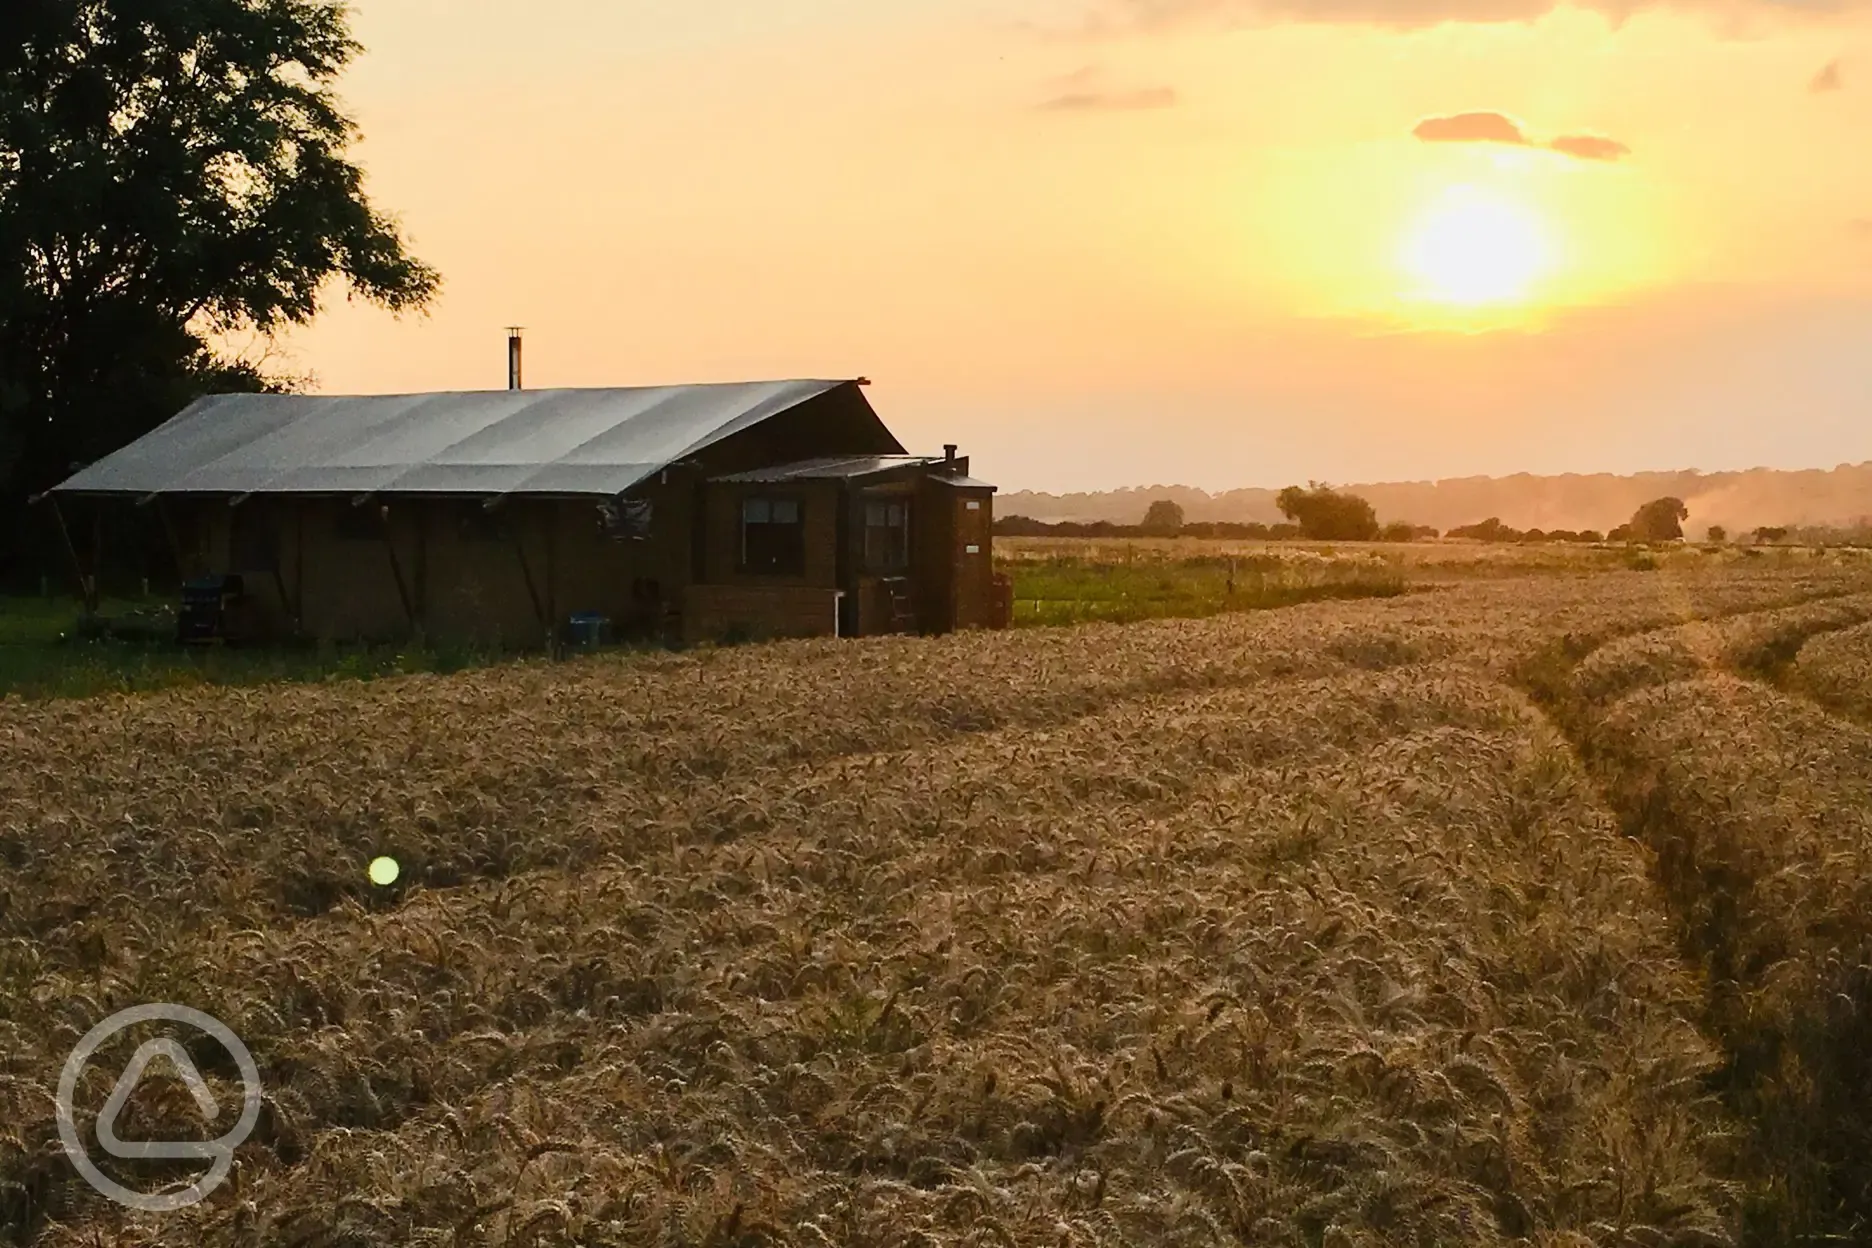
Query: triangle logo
{"points": [[177, 1057]]}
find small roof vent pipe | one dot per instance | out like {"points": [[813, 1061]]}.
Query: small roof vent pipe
{"points": [[949, 450], [513, 356]]}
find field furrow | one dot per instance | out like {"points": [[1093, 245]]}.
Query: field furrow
{"points": [[1755, 803], [1835, 670]]}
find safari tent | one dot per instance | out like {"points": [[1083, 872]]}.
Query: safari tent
{"points": [[513, 517]]}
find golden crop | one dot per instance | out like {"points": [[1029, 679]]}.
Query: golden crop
{"points": [[1307, 927]]}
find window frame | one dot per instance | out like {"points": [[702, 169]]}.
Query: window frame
{"points": [[795, 567], [887, 502]]}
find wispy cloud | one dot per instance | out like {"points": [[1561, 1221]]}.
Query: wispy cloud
{"points": [[1828, 79], [1125, 101], [1590, 147], [1471, 128], [1500, 128]]}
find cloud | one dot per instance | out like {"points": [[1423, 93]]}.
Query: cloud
{"points": [[1126, 101], [1828, 79], [1500, 128], [1471, 128], [1589, 147], [1413, 14]]}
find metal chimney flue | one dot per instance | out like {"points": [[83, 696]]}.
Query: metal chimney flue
{"points": [[949, 452], [513, 356]]}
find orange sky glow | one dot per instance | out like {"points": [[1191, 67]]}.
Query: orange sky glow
{"points": [[1121, 242]]}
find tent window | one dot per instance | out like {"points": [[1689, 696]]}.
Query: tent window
{"points": [[359, 524], [625, 519], [773, 536], [887, 536]]}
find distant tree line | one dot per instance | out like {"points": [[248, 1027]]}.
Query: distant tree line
{"points": [[1493, 530], [1023, 526], [1317, 512]]}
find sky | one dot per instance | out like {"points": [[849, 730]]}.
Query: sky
{"points": [[1099, 243]]}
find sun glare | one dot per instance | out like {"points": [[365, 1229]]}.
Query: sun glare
{"points": [[1472, 249]]}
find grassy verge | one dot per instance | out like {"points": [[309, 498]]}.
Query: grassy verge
{"points": [[46, 651], [1069, 589]]}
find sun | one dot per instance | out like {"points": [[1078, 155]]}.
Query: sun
{"points": [[1474, 249]]}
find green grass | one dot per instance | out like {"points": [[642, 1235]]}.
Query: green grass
{"points": [[1068, 589], [46, 652]]}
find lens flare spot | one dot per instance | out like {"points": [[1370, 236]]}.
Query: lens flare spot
{"points": [[384, 872]]}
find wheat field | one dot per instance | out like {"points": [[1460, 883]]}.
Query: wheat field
{"points": [[1524, 910]]}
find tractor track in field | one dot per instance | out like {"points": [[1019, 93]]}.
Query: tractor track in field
{"points": [[1806, 1181]]}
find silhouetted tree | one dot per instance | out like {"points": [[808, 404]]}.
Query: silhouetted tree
{"points": [[1324, 514], [1660, 520], [1717, 533], [1163, 516], [169, 173]]}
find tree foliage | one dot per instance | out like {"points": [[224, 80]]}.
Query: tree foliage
{"points": [[171, 171], [1660, 520], [1324, 514], [1163, 516]]}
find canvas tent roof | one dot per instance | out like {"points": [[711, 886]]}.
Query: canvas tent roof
{"points": [[598, 442], [850, 468], [829, 468]]}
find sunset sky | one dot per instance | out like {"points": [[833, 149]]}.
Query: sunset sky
{"points": [[1123, 242]]}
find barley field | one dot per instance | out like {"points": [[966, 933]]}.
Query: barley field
{"points": [[1526, 908]]}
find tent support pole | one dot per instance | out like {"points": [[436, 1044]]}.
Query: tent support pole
{"points": [[97, 554], [299, 564], [396, 570], [552, 583], [279, 577], [175, 539], [526, 570], [422, 563], [87, 589], [288, 599], [279, 582]]}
